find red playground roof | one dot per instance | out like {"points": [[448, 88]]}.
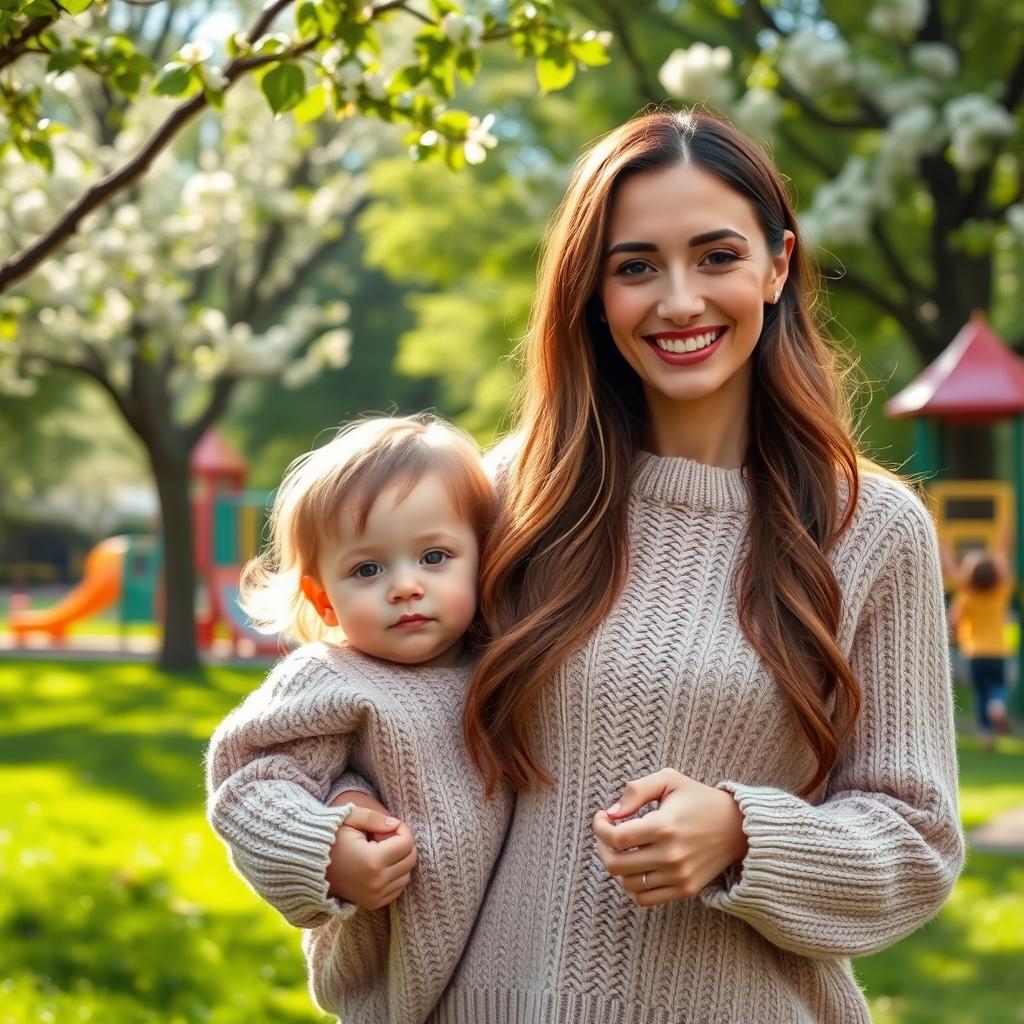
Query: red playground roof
{"points": [[214, 456], [977, 377]]}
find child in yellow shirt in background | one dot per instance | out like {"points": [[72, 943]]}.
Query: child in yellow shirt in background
{"points": [[983, 590]]}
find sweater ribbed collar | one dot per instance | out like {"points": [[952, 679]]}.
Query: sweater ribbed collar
{"points": [[680, 481]]}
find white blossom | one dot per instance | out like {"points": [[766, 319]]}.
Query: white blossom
{"points": [[463, 29], [758, 111], [937, 60], [894, 96], [815, 64], [479, 139], [898, 18], [331, 58], [911, 134], [194, 53], [375, 86], [842, 209], [975, 123], [1015, 220], [215, 78], [349, 76], [699, 73]]}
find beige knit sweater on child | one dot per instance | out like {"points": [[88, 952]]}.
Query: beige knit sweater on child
{"points": [[323, 710]]}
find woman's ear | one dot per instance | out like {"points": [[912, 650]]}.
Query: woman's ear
{"points": [[780, 267], [317, 597]]}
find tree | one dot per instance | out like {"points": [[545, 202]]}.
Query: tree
{"points": [[903, 127], [900, 132], [196, 276], [341, 41]]}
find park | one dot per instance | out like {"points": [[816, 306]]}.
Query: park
{"points": [[226, 228]]}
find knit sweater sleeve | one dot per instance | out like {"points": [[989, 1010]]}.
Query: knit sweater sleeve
{"points": [[269, 768], [878, 856]]}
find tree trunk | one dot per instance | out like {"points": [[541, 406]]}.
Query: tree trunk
{"points": [[171, 472]]}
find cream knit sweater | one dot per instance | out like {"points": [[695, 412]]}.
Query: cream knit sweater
{"points": [[323, 710], [668, 679]]}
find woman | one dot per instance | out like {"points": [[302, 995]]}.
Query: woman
{"points": [[700, 600]]}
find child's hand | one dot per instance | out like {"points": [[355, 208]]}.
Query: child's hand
{"points": [[366, 872]]}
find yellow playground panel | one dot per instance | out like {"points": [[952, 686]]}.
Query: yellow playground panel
{"points": [[972, 513]]}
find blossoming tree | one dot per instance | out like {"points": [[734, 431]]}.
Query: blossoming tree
{"points": [[903, 130], [169, 264]]}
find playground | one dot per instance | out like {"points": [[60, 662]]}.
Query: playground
{"points": [[116, 608]]}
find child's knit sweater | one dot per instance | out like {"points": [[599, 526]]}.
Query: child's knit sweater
{"points": [[669, 680], [270, 766]]}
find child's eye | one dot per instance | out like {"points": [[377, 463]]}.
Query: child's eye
{"points": [[368, 570], [435, 557]]}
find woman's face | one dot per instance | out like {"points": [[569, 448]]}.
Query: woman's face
{"points": [[686, 275]]}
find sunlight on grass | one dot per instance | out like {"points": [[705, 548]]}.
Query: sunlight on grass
{"points": [[119, 906]]}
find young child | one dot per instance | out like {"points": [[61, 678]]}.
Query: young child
{"points": [[977, 614], [373, 563]]}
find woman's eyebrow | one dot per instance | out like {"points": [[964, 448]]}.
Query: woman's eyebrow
{"points": [[714, 236], [701, 239], [631, 247]]}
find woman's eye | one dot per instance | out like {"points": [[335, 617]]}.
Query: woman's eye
{"points": [[633, 268], [435, 557], [720, 257], [367, 570]]}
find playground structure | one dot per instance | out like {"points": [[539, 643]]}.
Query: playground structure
{"points": [[126, 572], [977, 378]]}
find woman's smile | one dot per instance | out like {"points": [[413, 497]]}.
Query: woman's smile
{"points": [[683, 348]]}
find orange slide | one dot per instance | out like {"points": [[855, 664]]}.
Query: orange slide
{"points": [[101, 586]]}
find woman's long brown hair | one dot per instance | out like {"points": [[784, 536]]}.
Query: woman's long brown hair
{"points": [[556, 561]]}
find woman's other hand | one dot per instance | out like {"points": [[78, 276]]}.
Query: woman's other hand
{"points": [[670, 853], [373, 854]]}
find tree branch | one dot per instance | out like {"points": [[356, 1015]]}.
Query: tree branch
{"points": [[839, 274], [22, 263], [647, 88], [914, 289], [14, 48], [219, 398], [272, 305], [92, 369]]}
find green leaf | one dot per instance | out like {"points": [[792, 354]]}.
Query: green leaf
{"points": [[76, 6], [439, 8], [453, 122], [406, 78], [312, 105], [37, 151], [174, 80], [284, 86], [555, 70], [40, 9], [63, 60], [328, 15], [591, 52], [306, 20], [467, 63]]}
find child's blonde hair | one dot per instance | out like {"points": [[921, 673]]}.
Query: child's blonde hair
{"points": [[364, 459]]}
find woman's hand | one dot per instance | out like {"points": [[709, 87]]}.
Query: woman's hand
{"points": [[373, 854], [673, 852]]}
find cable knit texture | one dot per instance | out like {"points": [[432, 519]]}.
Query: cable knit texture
{"points": [[324, 710], [668, 679]]}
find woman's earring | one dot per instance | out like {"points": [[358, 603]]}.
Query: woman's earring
{"points": [[777, 295]]}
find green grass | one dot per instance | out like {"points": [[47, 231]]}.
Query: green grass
{"points": [[117, 905]]}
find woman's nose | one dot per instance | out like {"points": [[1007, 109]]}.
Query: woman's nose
{"points": [[682, 300]]}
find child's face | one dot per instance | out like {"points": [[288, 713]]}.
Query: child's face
{"points": [[403, 589]]}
